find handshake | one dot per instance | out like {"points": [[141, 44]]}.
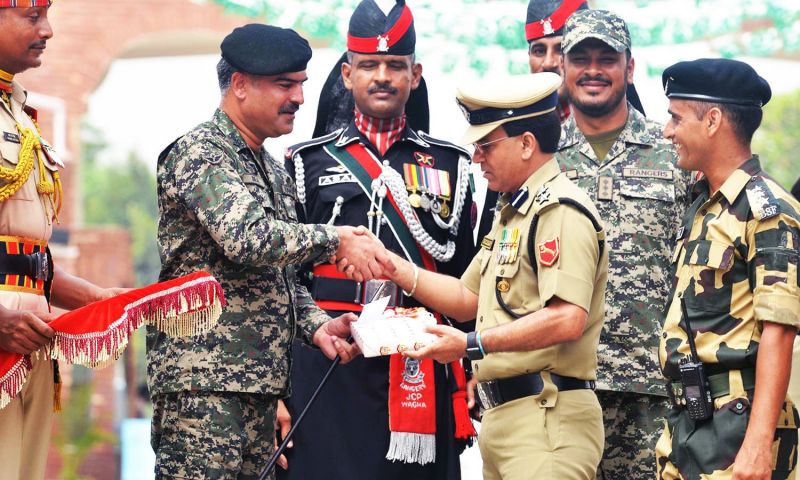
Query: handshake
{"points": [[361, 256]]}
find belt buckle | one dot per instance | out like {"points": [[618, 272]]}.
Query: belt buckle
{"points": [[41, 267], [488, 394], [372, 286]]}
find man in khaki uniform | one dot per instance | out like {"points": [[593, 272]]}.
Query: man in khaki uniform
{"points": [[726, 347], [536, 287], [30, 198]]}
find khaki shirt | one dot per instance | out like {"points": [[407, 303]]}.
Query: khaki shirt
{"points": [[736, 267], [27, 213], [578, 275]]}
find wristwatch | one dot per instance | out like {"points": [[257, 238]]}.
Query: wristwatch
{"points": [[473, 349]]}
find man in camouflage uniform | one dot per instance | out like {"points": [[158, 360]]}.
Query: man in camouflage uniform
{"points": [[227, 207], [618, 156], [735, 292]]}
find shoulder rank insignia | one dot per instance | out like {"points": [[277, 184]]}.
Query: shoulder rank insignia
{"points": [[424, 159], [549, 252], [542, 195], [762, 201]]}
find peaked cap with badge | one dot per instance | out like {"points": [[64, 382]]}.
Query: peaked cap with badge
{"points": [[488, 104], [546, 18], [412, 191], [546, 241]]}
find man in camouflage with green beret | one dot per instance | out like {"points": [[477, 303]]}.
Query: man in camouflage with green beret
{"points": [[726, 348], [227, 207], [619, 157]]}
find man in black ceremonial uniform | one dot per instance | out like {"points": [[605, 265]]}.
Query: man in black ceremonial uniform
{"points": [[383, 171]]}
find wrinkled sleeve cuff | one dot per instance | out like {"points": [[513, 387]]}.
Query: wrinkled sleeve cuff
{"points": [[778, 308]]}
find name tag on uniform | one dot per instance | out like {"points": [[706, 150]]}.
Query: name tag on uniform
{"points": [[10, 137], [326, 180], [648, 173]]}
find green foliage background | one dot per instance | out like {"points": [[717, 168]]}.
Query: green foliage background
{"points": [[122, 194], [778, 140]]}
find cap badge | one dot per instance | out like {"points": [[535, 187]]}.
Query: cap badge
{"points": [[464, 111], [547, 26], [383, 43]]}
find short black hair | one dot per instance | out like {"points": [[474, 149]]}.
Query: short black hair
{"points": [[745, 119], [225, 72], [546, 128]]}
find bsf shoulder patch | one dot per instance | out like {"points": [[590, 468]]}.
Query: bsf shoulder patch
{"points": [[549, 252]]}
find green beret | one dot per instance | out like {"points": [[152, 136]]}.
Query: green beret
{"points": [[260, 49]]}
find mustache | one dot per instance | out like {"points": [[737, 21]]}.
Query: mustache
{"points": [[39, 44], [290, 108], [381, 89], [598, 78]]}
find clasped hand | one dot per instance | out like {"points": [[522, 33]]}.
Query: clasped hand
{"points": [[361, 256]]}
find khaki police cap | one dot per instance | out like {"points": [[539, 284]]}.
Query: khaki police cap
{"points": [[489, 103]]}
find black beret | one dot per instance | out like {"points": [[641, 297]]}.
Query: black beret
{"points": [[372, 31], [546, 18], [260, 49], [717, 80]]}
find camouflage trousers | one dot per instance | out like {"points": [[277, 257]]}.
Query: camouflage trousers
{"points": [[689, 450], [633, 422], [212, 435]]}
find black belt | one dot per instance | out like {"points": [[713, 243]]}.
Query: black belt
{"points": [[497, 392], [342, 290], [35, 265], [719, 385]]}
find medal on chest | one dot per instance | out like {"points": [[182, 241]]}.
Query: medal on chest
{"points": [[508, 248], [429, 188]]}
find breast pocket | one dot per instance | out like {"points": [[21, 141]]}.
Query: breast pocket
{"points": [[648, 206], [260, 193], [511, 289], [711, 285], [9, 152]]}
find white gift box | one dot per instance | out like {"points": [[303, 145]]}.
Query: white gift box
{"points": [[380, 331]]}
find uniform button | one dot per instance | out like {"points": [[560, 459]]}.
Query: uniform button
{"points": [[664, 334], [739, 406], [543, 402], [502, 271]]}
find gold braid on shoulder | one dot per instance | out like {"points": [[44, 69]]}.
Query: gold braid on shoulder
{"points": [[31, 150]]}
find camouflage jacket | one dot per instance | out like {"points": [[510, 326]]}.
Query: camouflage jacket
{"points": [[736, 267], [641, 196], [231, 211]]}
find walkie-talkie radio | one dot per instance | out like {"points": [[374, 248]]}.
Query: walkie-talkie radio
{"points": [[696, 392]]}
